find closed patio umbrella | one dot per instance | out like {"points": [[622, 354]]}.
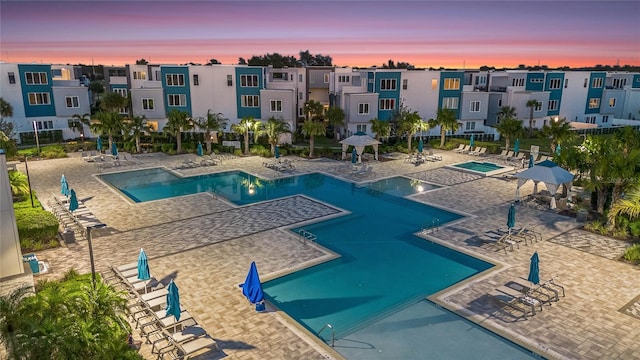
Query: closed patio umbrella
{"points": [[354, 156], [530, 161], [64, 186], [173, 300], [99, 144], [114, 149], [516, 146], [252, 288], [420, 146], [558, 149], [276, 152], [143, 266], [472, 141], [200, 151], [73, 201], [511, 217], [534, 269]]}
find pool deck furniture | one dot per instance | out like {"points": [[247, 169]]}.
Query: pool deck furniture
{"points": [[462, 150], [538, 291], [513, 302], [523, 298]]}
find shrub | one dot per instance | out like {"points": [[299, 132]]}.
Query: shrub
{"points": [[37, 228], [53, 152], [167, 148], [634, 228], [632, 253], [260, 150]]}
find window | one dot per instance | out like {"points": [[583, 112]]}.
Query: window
{"points": [[451, 84], [619, 83], [388, 84], [586, 82], [566, 83], [470, 125], [517, 82], [279, 76], [158, 74], [39, 98], [405, 84], [140, 75], [300, 95], [344, 78], [229, 80], [276, 105], [605, 118], [361, 128], [499, 102], [450, 103], [326, 78], [250, 101], [36, 78], [72, 101], [594, 103], [121, 92], [175, 80], [148, 104], [597, 83], [12, 78], [538, 107], [555, 83], [363, 109], [536, 80], [299, 77], [300, 112], [482, 80], [590, 119], [553, 105], [177, 99], [387, 104], [249, 80], [196, 80], [434, 84], [474, 106], [612, 102], [44, 125]]}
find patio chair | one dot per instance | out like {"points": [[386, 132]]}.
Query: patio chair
{"points": [[464, 149], [478, 151], [187, 349], [459, 148], [539, 292], [500, 242], [523, 298], [503, 154], [164, 339], [433, 157], [513, 302]]}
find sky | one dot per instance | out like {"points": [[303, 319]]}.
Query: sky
{"points": [[451, 34]]}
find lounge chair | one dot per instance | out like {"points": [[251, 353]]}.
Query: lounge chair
{"points": [[86, 157], [523, 298], [513, 302], [500, 242], [164, 339], [503, 154], [186, 350], [459, 148], [433, 157], [479, 152], [545, 295], [464, 149]]}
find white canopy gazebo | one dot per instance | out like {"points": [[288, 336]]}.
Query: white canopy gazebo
{"points": [[359, 141], [547, 172]]}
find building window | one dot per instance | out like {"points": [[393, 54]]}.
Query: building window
{"points": [[276, 105], [362, 128], [36, 78], [612, 102], [39, 98], [139, 75], [299, 77], [388, 84], [44, 125], [229, 80], [279, 76], [434, 84], [594, 103], [566, 83], [405, 84], [553, 105], [517, 82], [249, 80], [72, 102], [300, 112], [597, 83], [590, 120], [177, 100], [363, 109], [326, 78], [344, 79], [450, 103], [387, 104], [536, 80], [175, 80], [586, 82], [619, 83], [605, 118], [474, 106], [250, 101], [12, 78], [499, 102], [148, 104], [196, 80], [451, 84], [121, 92], [471, 125], [555, 83], [538, 107]]}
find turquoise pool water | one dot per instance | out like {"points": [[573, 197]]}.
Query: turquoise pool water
{"points": [[383, 270], [401, 186], [478, 166]]}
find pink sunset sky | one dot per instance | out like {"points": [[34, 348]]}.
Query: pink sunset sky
{"points": [[357, 33]]}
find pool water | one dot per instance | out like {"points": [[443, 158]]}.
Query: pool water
{"points": [[401, 186], [478, 166], [383, 269]]}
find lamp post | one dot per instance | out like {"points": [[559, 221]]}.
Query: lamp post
{"points": [[26, 166], [93, 266], [35, 129]]}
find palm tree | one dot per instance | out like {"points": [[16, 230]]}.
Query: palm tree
{"points": [[509, 128], [381, 128], [19, 183], [6, 110], [312, 129], [506, 112], [113, 102], [177, 122], [107, 123], [77, 123], [629, 206], [313, 110], [136, 127], [531, 104], [446, 119], [273, 129], [214, 122], [409, 123], [12, 320], [246, 125], [335, 117], [558, 131]]}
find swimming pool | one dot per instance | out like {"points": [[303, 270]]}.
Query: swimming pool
{"points": [[384, 270], [481, 168], [401, 186]]}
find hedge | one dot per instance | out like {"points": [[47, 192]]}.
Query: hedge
{"points": [[37, 228]]}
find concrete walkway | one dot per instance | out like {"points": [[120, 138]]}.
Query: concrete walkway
{"points": [[206, 244]]}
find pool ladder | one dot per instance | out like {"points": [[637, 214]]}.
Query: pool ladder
{"points": [[333, 333], [433, 227], [306, 236]]}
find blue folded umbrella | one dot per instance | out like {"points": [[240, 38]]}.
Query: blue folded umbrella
{"points": [[173, 300], [534, 269], [252, 288], [73, 201], [143, 266]]}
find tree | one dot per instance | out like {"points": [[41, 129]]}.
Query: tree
{"points": [[246, 125], [12, 321], [276, 60], [381, 128], [446, 119], [508, 126], [558, 132], [6, 127], [335, 118], [19, 184], [107, 123], [531, 104], [135, 127], [273, 129], [213, 62], [212, 123], [77, 123], [113, 102], [506, 112], [177, 122], [409, 123], [96, 89], [308, 59], [6, 110], [312, 129], [242, 61], [313, 110], [629, 206], [142, 62]]}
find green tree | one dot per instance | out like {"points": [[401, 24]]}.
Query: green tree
{"points": [[107, 123], [213, 122], [113, 102], [508, 126], [409, 123], [273, 129], [313, 110], [312, 129], [6, 110], [446, 119], [506, 112], [12, 321], [177, 122], [381, 128], [96, 89], [531, 104], [19, 184], [629, 206], [558, 132], [77, 123], [135, 128], [335, 118], [244, 127]]}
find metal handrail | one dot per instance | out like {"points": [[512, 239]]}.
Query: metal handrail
{"points": [[333, 333], [306, 235]]}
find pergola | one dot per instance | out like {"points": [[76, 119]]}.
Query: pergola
{"points": [[547, 172], [359, 141]]}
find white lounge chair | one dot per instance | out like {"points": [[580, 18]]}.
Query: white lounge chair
{"points": [[464, 149], [459, 148]]}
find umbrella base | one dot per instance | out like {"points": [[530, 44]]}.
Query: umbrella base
{"points": [[260, 306]]}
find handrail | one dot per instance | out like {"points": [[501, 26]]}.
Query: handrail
{"points": [[333, 333], [306, 235]]}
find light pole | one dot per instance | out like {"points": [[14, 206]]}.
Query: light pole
{"points": [[26, 166], [93, 266], [35, 129]]}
